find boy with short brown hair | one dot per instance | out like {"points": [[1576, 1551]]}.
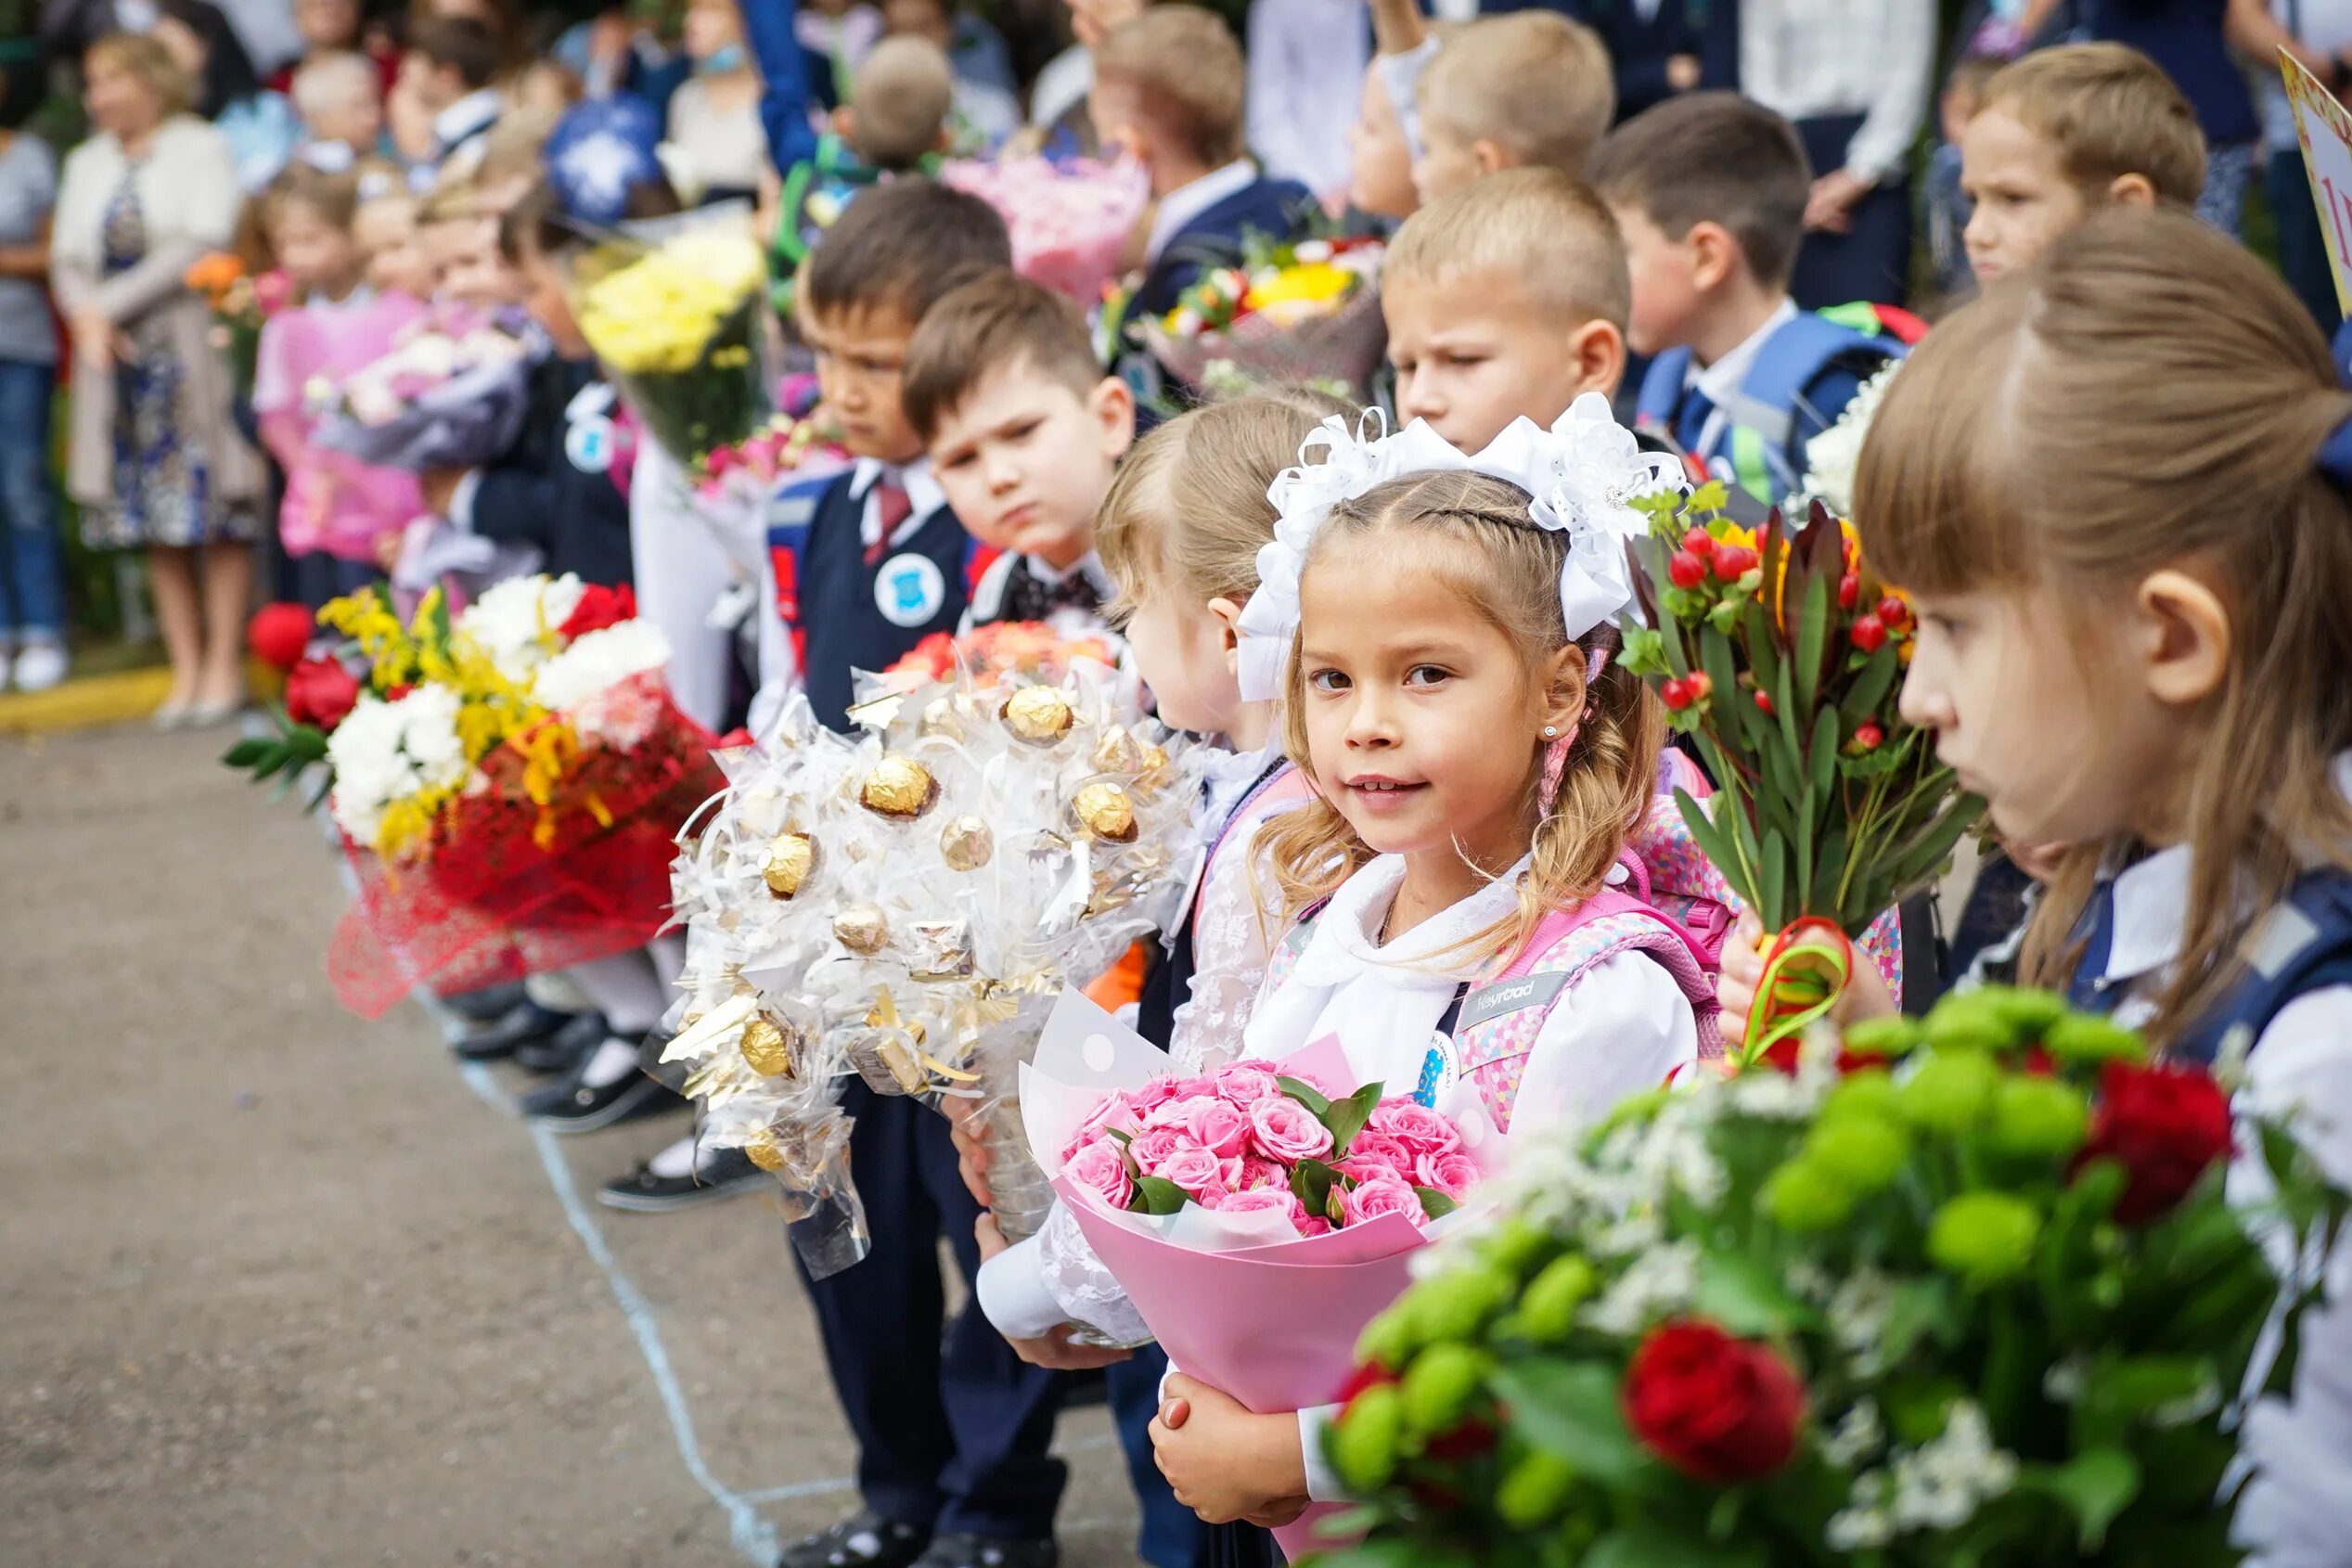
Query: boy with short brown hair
{"points": [[2067, 131], [1525, 88], [1507, 299]]}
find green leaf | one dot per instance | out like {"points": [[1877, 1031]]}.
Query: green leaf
{"points": [[1715, 653], [1312, 1181], [1715, 844], [1434, 1204], [1570, 1409], [1822, 756], [1870, 686], [1827, 865], [1747, 1297], [1775, 911], [1304, 1093], [306, 742], [1920, 1309], [1644, 1543], [1812, 633], [248, 752], [1346, 1118], [2095, 1486], [1156, 1195]]}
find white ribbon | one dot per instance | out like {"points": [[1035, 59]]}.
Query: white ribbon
{"points": [[1581, 476]]}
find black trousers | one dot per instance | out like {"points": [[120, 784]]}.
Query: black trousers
{"points": [[1874, 260], [952, 1428]]}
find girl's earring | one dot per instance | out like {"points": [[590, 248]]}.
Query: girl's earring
{"points": [[1551, 732]]}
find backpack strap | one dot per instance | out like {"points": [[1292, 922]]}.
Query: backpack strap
{"points": [[1284, 960], [791, 512], [2302, 945], [1774, 389], [1503, 1013]]}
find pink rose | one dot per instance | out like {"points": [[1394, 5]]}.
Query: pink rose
{"points": [[1153, 1095], [1216, 1126], [1245, 1083], [1179, 1113], [1155, 1147], [1284, 1130], [1263, 1200], [1370, 1167], [1257, 1173], [1418, 1127], [1107, 1111], [1381, 1149], [1194, 1169], [1098, 1169], [1454, 1174], [1368, 1201]]}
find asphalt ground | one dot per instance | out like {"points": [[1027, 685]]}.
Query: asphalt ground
{"points": [[280, 1286]]}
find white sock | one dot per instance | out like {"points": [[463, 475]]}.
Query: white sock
{"points": [[675, 1160], [615, 1060]]}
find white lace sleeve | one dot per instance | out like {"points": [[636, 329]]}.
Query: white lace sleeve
{"points": [[1233, 933], [1078, 1280]]}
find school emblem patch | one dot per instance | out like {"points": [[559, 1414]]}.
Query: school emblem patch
{"points": [[909, 589]]}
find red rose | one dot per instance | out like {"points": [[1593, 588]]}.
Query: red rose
{"points": [[600, 606], [278, 633], [320, 692], [1720, 1410], [2166, 1126]]}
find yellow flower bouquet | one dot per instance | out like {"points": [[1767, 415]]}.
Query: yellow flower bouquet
{"points": [[678, 319], [1308, 311]]}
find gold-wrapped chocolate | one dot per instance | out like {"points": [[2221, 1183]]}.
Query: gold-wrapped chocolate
{"points": [[943, 718], [1118, 751], [966, 843], [790, 858], [1155, 766], [943, 950], [1104, 809], [899, 787], [862, 928], [1039, 714], [883, 1014], [767, 1050], [763, 1152]]}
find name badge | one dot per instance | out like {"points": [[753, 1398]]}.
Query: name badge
{"points": [[909, 589], [588, 444], [1489, 1002]]}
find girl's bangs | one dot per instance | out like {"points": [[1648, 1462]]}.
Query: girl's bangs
{"points": [[1938, 501]]}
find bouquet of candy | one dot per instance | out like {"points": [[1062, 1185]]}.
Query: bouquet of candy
{"points": [[1965, 1291], [509, 786], [677, 310], [240, 302], [1069, 221], [796, 440], [1291, 314], [910, 899], [989, 654], [1779, 653], [1258, 1218], [449, 395]]}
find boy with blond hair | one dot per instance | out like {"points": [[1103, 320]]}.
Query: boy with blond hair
{"points": [[2065, 132], [1506, 299], [1168, 91], [1526, 87]]}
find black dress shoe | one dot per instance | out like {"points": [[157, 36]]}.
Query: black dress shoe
{"points": [[866, 1541], [572, 1107], [481, 1007], [984, 1551], [499, 1037], [722, 1174], [564, 1050]]}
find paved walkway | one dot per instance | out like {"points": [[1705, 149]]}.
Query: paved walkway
{"points": [[280, 1287]]}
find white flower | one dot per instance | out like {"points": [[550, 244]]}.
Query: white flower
{"points": [[1859, 1309], [597, 661], [383, 752], [1942, 1485], [1831, 458], [1858, 1435], [1656, 1284], [1863, 1524], [514, 621]]}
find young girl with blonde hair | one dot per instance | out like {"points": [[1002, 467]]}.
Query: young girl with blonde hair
{"points": [[1471, 920], [2116, 488]]}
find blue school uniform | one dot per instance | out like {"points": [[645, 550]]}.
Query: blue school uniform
{"points": [[554, 490], [1215, 235], [1642, 40]]}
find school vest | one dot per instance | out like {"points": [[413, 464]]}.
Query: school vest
{"points": [[2300, 944], [1499, 1012], [1761, 436], [845, 613]]}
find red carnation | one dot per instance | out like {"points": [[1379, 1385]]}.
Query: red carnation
{"points": [[1720, 1410], [320, 692], [2165, 1126], [600, 606], [278, 633]]}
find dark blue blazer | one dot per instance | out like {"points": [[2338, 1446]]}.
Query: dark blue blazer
{"points": [[1276, 209], [539, 494], [1639, 48]]}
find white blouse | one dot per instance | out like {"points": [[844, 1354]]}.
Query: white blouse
{"points": [[1811, 60]]}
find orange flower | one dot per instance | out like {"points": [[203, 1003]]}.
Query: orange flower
{"points": [[213, 275]]}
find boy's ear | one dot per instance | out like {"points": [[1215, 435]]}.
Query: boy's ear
{"points": [[1715, 254], [2132, 190], [1491, 156], [1112, 404], [2185, 636], [1598, 350]]}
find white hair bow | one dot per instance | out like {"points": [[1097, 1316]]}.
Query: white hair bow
{"points": [[1581, 477]]}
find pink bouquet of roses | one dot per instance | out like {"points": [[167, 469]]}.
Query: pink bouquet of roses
{"points": [[1070, 222], [1250, 1139]]}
